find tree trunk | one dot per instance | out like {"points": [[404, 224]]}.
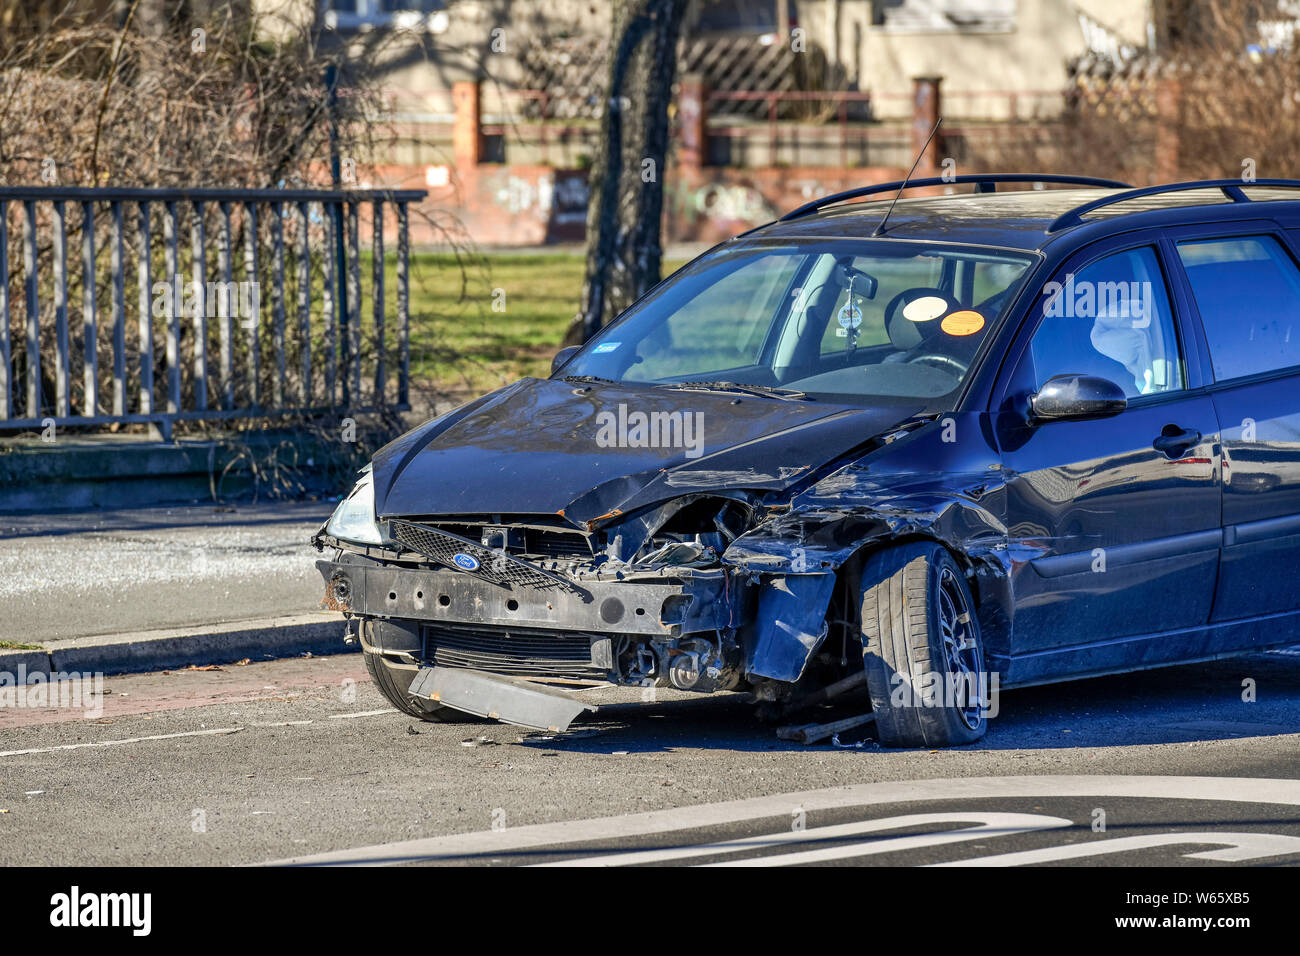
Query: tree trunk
{"points": [[626, 207]]}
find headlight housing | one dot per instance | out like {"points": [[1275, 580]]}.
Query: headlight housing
{"points": [[354, 519]]}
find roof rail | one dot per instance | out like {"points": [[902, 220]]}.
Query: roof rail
{"points": [[985, 183], [1232, 189]]}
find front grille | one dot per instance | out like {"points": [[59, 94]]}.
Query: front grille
{"points": [[555, 544], [516, 652], [527, 540], [494, 566]]}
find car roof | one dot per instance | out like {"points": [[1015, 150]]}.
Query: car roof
{"points": [[1025, 219]]}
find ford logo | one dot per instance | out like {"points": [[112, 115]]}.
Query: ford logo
{"points": [[466, 562]]}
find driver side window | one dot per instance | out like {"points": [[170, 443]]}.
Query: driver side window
{"points": [[1112, 320]]}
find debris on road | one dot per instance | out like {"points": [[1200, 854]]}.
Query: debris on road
{"points": [[812, 733]]}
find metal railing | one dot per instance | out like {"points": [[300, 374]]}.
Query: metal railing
{"points": [[261, 355]]}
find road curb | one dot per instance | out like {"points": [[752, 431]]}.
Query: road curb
{"points": [[22, 665], [178, 647]]}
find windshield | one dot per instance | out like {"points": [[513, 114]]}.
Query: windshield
{"points": [[872, 322]]}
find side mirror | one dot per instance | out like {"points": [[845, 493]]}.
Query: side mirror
{"points": [[563, 356], [1075, 398]]}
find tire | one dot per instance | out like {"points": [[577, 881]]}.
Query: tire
{"points": [[394, 680], [921, 648]]}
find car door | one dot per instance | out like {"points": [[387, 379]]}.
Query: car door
{"points": [[1113, 523], [1244, 286]]}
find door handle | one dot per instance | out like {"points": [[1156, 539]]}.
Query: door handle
{"points": [[1174, 441]]}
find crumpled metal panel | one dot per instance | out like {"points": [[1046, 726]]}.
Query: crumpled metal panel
{"points": [[837, 516], [856, 507], [533, 445]]}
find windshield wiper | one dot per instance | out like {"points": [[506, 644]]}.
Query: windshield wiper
{"points": [[766, 391], [589, 380]]}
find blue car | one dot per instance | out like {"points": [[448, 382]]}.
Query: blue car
{"points": [[905, 452]]}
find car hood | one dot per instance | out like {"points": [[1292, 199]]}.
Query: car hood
{"points": [[537, 447]]}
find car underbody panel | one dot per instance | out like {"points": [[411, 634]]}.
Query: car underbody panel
{"points": [[514, 701]]}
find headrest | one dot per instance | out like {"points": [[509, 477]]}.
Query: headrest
{"points": [[913, 316]]}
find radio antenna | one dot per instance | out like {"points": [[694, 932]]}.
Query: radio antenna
{"points": [[881, 225]]}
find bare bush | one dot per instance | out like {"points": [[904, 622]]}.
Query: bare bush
{"points": [[152, 94], [1218, 97]]}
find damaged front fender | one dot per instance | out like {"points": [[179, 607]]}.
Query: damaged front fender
{"points": [[836, 518], [851, 511]]}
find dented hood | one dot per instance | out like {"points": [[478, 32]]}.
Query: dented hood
{"points": [[537, 447]]}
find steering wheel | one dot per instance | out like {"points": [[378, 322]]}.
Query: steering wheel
{"points": [[946, 362]]}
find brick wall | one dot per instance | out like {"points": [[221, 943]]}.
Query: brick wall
{"points": [[530, 205]]}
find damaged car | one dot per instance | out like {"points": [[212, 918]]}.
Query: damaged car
{"points": [[902, 453]]}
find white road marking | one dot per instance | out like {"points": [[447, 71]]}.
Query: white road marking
{"points": [[189, 733], [517, 839], [988, 824], [1237, 847], [364, 713], [992, 825], [115, 743]]}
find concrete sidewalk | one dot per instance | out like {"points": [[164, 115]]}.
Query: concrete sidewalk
{"points": [[158, 573]]}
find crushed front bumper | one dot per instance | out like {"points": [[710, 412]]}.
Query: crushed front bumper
{"points": [[662, 608], [626, 627]]}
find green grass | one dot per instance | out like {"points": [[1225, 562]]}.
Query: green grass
{"points": [[491, 321], [15, 646]]}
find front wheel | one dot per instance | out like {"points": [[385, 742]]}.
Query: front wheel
{"points": [[394, 680], [921, 648]]}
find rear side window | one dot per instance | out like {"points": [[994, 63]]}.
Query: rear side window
{"points": [[1247, 290]]}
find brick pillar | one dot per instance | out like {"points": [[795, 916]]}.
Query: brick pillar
{"points": [[925, 113], [693, 109], [1169, 121], [467, 130]]}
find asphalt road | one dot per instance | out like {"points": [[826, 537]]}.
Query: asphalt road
{"points": [[302, 760], [77, 575]]}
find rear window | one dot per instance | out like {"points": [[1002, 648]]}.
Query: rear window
{"points": [[1247, 290]]}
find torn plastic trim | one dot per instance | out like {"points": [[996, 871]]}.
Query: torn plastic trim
{"points": [[514, 701], [322, 540], [789, 626]]}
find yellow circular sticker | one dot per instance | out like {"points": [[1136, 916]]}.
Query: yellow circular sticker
{"points": [[965, 322]]}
